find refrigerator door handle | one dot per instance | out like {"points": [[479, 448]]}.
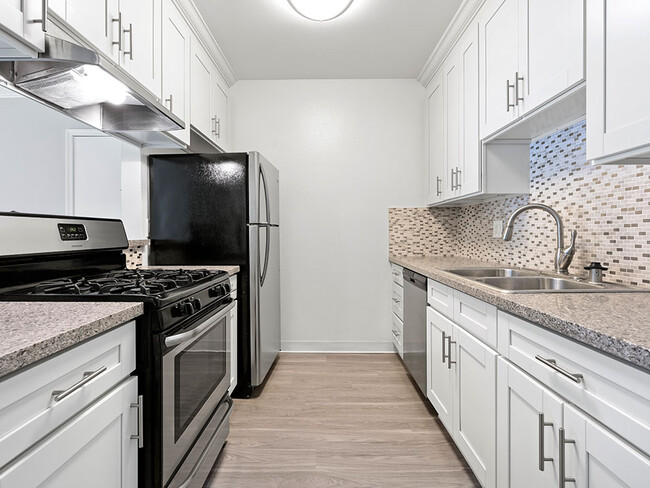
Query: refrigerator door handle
{"points": [[266, 256], [266, 194]]}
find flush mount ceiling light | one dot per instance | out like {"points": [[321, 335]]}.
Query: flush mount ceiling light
{"points": [[320, 10]]}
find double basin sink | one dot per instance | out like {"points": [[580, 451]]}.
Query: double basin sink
{"points": [[513, 280]]}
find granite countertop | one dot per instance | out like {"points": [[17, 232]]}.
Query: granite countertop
{"points": [[32, 331], [615, 323], [231, 270]]}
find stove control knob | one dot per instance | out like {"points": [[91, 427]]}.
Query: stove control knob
{"points": [[216, 291], [188, 308], [197, 304]]}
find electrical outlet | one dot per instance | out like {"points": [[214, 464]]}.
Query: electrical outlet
{"points": [[497, 228]]}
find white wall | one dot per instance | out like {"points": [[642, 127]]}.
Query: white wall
{"points": [[346, 150]]}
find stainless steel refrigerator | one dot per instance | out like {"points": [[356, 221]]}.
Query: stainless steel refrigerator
{"points": [[224, 209]]}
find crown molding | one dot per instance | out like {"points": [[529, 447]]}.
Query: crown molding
{"points": [[464, 16], [202, 32]]}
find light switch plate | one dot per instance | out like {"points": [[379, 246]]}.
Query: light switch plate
{"points": [[497, 228]]}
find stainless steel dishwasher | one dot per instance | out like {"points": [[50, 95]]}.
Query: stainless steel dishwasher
{"points": [[415, 332]]}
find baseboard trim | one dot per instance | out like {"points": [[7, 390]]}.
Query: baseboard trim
{"points": [[337, 346]]}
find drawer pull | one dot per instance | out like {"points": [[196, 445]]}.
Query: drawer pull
{"points": [[449, 361], [552, 363], [562, 455], [139, 437], [88, 377], [542, 458]]}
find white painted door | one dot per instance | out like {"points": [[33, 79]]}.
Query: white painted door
{"points": [[95, 449], [202, 70], [141, 42], [24, 20], [219, 111], [530, 417], [436, 139], [452, 78], [551, 51], [597, 458], [470, 177], [618, 102], [94, 175], [499, 37], [440, 378], [176, 53], [88, 17], [474, 413]]}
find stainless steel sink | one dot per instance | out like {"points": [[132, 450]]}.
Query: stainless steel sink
{"points": [[491, 272], [513, 280]]}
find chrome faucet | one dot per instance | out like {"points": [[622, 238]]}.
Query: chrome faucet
{"points": [[563, 257]]}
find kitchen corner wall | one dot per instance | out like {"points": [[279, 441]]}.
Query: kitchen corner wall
{"points": [[608, 206], [346, 150]]}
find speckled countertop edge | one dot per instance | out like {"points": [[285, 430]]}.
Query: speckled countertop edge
{"points": [[615, 323], [230, 269], [33, 331]]}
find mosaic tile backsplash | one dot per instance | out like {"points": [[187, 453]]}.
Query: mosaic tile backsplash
{"points": [[609, 206], [135, 253]]}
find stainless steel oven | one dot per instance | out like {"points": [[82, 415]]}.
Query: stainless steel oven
{"points": [[195, 379]]}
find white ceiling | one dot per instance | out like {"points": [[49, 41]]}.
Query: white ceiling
{"points": [[267, 39]]}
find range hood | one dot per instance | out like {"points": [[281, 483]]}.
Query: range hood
{"points": [[83, 84]]}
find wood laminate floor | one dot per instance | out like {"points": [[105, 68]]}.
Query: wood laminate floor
{"points": [[338, 420]]}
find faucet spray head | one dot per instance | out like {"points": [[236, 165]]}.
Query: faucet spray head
{"points": [[507, 233]]}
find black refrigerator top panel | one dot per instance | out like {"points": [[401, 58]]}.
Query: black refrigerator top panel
{"points": [[199, 209]]}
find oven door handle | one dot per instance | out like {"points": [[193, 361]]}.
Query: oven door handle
{"points": [[177, 339]]}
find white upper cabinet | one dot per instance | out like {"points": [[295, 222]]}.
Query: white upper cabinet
{"points": [[618, 102], [139, 41], [436, 140], [88, 17], [533, 50], [209, 109], [176, 48], [25, 20]]}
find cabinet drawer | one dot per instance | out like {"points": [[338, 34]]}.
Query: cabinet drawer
{"points": [[396, 272], [441, 298], [398, 301], [476, 317], [398, 329], [28, 406], [614, 393]]}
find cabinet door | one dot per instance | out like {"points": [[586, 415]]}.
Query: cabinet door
{"points": [[551, 49], [88, 17], [499, 37], [176, 54], [470, 178], [598, 459], [202, 69], [440, 378], [436, 139], [233, 350], [17, 17], [452, 78], [219, 118], [94, 449], [141, 42], [618, 103], [474, 413], [530, 417]]}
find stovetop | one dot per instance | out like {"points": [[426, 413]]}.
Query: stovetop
{"points": [[157, 286]]}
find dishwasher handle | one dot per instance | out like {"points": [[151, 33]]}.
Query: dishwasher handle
{"points": [[415, 279]]}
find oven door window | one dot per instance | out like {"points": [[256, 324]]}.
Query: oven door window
{"points": [[198, 370]]}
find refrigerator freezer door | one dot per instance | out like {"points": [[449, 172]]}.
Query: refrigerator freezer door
{"points": [[264, 190], [264, 300]]}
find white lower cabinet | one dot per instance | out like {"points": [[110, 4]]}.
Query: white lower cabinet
{"points": [[233, 336], [462, 388], [94, 449]]}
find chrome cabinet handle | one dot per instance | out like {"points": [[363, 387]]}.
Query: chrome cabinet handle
{"points": [[139, 436], [88, 376], [449, 361], [508, 104], [541, 425], [438, 190], [562, 468], [218, 127], [43, 19], [444, 338], [171, 102], [214, 125], [453, 185], [458, 178], [517, 80], [552, 363], [130, 51], [118, 43]]}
